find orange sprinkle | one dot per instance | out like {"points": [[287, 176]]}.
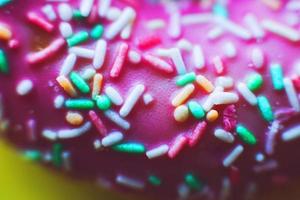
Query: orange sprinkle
{"points": [[97, 84], [204, 83], [183, 95], [212, 115], [5, 33], [74, 118], [66, 85]]}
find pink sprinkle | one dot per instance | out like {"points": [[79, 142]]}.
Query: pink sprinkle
{"points": [[40, 22], [31, 127], [229, 118], [177, 146], [219, 65], [158, 63], [13, 44], [148, 41], [98, 123], [47, 52], [120, 60], [197, 134]]}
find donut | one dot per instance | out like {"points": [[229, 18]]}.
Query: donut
{"points": [[163, 99]]}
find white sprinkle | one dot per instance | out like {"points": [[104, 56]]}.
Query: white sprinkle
{"points": [[155, 24], [68, 64], [198, 57], [86, 7], [184, 44], [117, 119], [130, 182], [174, 29], [49, 12], [224, 135], [148, 99], [178, 61], [126, 32], [291, 93], [132, 99], [65, 29], [100, 52], [291, 19], [24, 87], [65, 11], [76, 132], [218, 64], [112, 138], [87, 73], [127, 16], [293, 5], [134, 57], [196, 19], [291, 134], [163, 52], [103, 6], [158, 151], [281, 30], [224, 81], [59, 101], [113, 13], [215, 33], [220, 98], [257, 58], [254, 27], [208, 104], [296, 67], [49, 134], [229, 50], [82, 52], [259, 157], [114, 95], [271, 137], [97, 144], [233, 155], [247, 94]]}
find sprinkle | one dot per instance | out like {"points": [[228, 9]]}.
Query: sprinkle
{"points": [[193, 182], [245, 135], [291, 93], [224, 81], [154, 180], [66, 85], [197, 133], [196, 109], [132, 99], [114, 95], [24, 87], [100, 52], [181, 113], [86, 7], [103, 7], [220, 98], [66, 160], [113, 14], [148, 41], [184, 44], [79, 104], [97, 144], [76, 132], [5, 32], [77, 15], [130, 182], [185, 79], [65, 29], [98, 123], [259, 157], [281, 30], [97, 32], [174, 29], [59, 101], [117, 119], [82, 52], [254, 81], [233, 156], [219, 65], [68, 64], [229, 118], [215, 33], [112, 138], [74, 118], [291, 134], [265, 108], [103, 102], [87, 73], [253, 25], [126, 32], [78, 38], [158, 63], [191, 19], [3, 62], [223, 135], [257, 58], [148, 99], [177, 146], [178, 61], [97, 84], [31, 129], [204, 83], [212, 115], [57, 155], [51, 50], [132, 148], [155, 24], [247, 94], [127, 16], [134, 57], [40, 22], [119, 60], [65, 11], [271, 134], [49, 134], [32, 155], [229, 50], [209, 103], [183, 95], [49, 12], [79, 82], [157, 151]]}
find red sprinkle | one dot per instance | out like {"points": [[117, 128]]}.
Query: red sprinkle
{"points": [[148, 41], [296, 81], [158, 63], [197, 134], [98, 123], [229, 118], [40, 22], [177, 146], [122, 52]]}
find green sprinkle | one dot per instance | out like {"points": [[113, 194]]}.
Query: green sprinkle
{"points": [[3, 62], [57, 155], [78, 38], [103, 102], [79, 82], [79, 104], [185, 79], [265, 108], [132, 148], [254, 82], [277, 76], [154, 180], [193, 182], [32, 155], [196, 109], [4, 2], [97, 32], [77, 15], [245, 135]]}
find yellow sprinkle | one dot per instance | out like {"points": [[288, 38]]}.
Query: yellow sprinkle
{"points": [[181, 113], [66, 85], [74, 118], [97, 84], [212, 115], [183, 95], [204, 83], [5, 33]]}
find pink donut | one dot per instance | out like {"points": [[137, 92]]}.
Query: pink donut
{"points": [[168, 99]]}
